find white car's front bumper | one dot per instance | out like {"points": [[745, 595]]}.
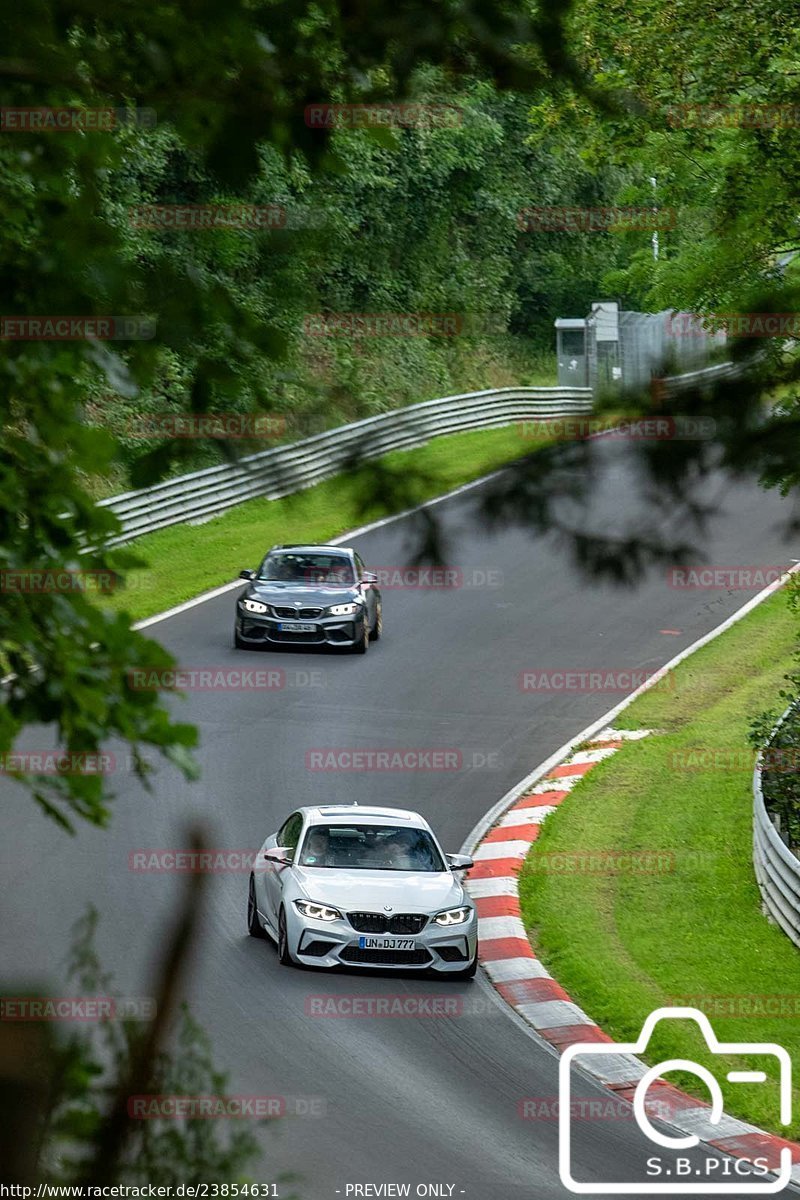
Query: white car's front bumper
{"points": [[336, 944]]}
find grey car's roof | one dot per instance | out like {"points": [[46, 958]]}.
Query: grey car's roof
{"points": [[306, 549], [368, 814]]}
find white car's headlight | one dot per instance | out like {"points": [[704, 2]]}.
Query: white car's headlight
{"points": [[254, 606], [343, 610], [453, 916], [320, 912]]}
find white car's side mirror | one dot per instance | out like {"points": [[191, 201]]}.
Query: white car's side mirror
{"points": [[280, 854]]}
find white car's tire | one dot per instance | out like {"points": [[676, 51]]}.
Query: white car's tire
{"points": [[254, 927], [284, 954]]}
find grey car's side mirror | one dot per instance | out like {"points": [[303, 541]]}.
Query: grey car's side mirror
{"points": [[247, 574], [369, 577], [280, 854], [459, 862]]}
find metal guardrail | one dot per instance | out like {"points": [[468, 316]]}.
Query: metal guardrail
{"points": [[777, 869], [289, 468], [673, 385]]}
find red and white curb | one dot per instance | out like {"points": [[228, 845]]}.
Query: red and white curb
{"points": [[528, 987]]}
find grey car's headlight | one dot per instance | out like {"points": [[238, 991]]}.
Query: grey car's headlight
{"points": [[254, 606], [320, 912], [343, 610], [453, 916]]}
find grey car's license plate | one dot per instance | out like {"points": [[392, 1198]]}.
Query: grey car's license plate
{"points": [[386, 943], [296, 627]]}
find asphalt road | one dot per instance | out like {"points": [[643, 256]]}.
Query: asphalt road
{"points": [[427, 1100]]}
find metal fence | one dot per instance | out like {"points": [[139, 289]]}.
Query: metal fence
{"points": [[663, 342], [777, 869], [285, 469], [645, 345]]}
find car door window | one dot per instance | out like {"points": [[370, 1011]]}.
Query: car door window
{"points": [[290, 833]]}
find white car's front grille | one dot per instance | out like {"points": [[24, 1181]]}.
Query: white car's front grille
{"points": [[367, 922]]}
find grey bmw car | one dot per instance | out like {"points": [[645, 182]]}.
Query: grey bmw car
{"points": [[312, 595], [345, 886]]}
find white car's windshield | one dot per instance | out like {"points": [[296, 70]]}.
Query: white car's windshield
{"points": [[370, 848]]}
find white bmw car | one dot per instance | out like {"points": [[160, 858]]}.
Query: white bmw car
{"points": [[341, 886]]}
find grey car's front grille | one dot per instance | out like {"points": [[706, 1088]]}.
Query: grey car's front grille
{"points": [[292, 614], [366, 922]]}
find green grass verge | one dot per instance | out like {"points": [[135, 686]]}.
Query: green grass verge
{"points": [[623, 945], [185, 560]]}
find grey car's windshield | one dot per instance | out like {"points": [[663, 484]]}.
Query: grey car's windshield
{"points": [[370, 848], [329, 569]]}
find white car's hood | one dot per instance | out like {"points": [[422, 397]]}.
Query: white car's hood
{"points": [[373, 891]]}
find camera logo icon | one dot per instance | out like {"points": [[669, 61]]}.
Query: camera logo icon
{"points": [[699, 1185]]}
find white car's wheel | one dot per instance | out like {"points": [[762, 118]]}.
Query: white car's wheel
{"points": [[283, 941], [253, 924]]}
